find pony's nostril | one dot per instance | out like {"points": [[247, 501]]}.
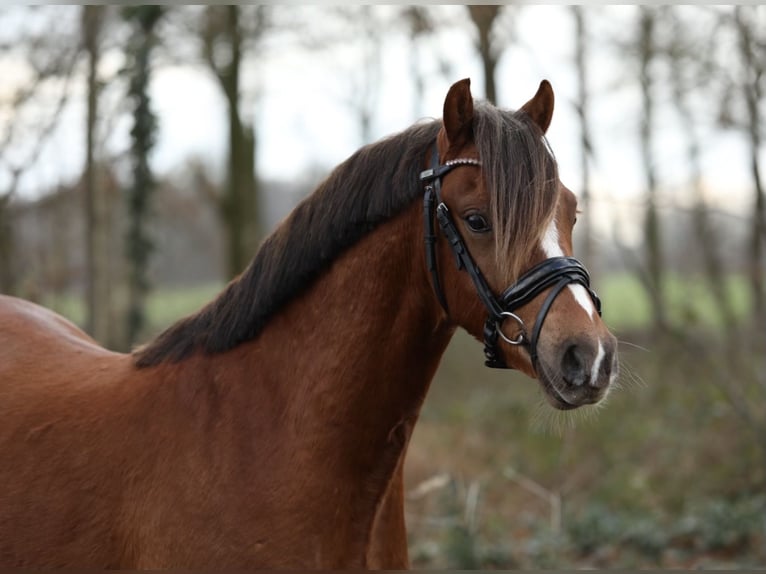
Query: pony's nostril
{"points": [[573, 366]]}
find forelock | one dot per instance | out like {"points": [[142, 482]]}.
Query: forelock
{"points": [[521, 177]]}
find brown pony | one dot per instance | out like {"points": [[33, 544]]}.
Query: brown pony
{"points": [[270, 428]]}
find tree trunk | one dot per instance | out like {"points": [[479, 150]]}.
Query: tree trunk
{"points": [[754, 70], [704, 231], [7, 274], [419, 25], [483, 17], [96, 203], [586, 148], [238, 204], [366, 96], [139, 245], [652, 231]]}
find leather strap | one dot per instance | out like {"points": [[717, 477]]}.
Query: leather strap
{"points": [[541, 314], [429, 237], [542, 276]]}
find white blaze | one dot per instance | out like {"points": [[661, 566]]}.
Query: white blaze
{"points": [[552, 248], [597, 364]]}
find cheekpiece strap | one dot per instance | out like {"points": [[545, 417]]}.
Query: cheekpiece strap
{"points": [[434, 208]]}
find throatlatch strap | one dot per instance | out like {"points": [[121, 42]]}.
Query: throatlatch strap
{"points": [[430, 240]]}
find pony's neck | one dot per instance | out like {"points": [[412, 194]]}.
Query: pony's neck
{"points": [[360, 347], [332, 387]]}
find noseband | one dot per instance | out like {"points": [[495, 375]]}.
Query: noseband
{"points": [[555, 272]]}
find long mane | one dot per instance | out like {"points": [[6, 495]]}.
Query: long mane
{"points": [[377, 182]]}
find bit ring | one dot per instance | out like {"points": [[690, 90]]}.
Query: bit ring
{"points": [[522, 336]]}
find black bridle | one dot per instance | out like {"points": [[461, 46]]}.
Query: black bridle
{"points": [[555, 272]]}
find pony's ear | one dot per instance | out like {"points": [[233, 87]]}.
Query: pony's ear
{"points": [[540, 107], [458, 113]]}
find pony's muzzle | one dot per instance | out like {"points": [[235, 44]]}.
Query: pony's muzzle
{"points": [[586, 367], [579, 371]]}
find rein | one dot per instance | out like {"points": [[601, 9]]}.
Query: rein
{"points": [[556, 272]]}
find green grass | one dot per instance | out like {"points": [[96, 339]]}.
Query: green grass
{"points": [[164, 306], [626, 304], [170, 304]]}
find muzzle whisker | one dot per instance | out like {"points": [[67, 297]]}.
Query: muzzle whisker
{"points": [[550, 421], [629, 378], [633, 345]]}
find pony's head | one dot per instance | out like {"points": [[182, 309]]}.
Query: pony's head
{"points": [[508, 223]]}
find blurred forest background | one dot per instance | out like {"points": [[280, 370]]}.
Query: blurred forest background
{"points": [[672, 472]]}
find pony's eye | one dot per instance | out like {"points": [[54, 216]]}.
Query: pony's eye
{"points": [[477, 223]]}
